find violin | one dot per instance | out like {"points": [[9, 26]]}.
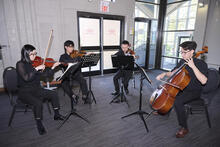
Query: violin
{"points": [[49, 62], [163, 98], [130, 52], [76, 53]]}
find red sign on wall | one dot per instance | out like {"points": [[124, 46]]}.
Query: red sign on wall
{"points": [[104, 6]]}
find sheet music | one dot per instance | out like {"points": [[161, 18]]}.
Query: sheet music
{"points": [[69, 65]]}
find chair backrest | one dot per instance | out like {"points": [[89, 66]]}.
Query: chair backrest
{"points": [[211, 86], [10, 81], [213, 81]]}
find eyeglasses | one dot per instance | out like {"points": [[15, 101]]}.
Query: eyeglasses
{"points": [[33, 54], [184, 52]]}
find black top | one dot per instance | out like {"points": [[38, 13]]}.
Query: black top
{"points": [[68, 59], [194, 84], [28, 76], [123, 61], [120, 53]]}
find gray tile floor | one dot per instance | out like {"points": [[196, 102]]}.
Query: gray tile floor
{"points": [[107, 129]]}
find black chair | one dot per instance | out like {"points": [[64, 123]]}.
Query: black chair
{"points": [[208, 92], [10, 84]]}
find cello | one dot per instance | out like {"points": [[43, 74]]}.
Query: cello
{"points": [[163, 98]]}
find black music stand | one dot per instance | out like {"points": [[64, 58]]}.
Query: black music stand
{"points": [[72, 67], [140, 112], [123, 63], [88, 61]]}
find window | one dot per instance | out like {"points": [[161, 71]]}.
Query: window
{"points": [[146, 10], [179, 27], [89, 31], [100, 33], [146, 18], [111, 29]]}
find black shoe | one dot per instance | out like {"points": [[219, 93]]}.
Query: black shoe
{"points": [[126, 91], [87, 100], [116, 101], [41, 129], [59, 117], [115, 93]]}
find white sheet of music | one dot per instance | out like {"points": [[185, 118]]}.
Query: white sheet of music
{"points": [[69, 65]]}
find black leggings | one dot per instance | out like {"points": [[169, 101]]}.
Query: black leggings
{"points": [[36, 97], [126, 74], [77, 76]]}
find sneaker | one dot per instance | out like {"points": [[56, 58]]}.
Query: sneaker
{"points": [[115, 93], [116, 101], [87, 100], [41, 129], [59, 117]]}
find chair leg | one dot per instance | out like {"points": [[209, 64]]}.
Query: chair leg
{"points": [[26, 108], [48, 106], [207, 116], [134, 82], [12, 115]]}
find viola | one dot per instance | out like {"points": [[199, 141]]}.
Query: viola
{"points": [[49, 62], [76, 53], [132, 53], [163, 98]]}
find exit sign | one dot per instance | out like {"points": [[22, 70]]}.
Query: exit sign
{"points": [[104, 6]]}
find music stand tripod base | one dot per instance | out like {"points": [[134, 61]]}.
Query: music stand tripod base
{"points": [[72, 112], [120, 97], [140, 112]]}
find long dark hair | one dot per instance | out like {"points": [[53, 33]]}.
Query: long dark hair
{"points": [[25, 51]]}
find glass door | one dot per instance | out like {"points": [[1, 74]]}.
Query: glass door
{"points": [[100, 33], [89, 34], [141, 40]]}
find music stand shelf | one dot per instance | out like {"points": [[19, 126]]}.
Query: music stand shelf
{"points": [[89, 61]]}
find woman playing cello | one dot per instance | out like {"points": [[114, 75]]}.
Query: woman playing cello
{"points": [[198, 71]]}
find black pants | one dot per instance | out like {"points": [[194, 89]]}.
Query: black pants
{"points": [[126, 75], [67, 83], [181, 99], [36, 97]]}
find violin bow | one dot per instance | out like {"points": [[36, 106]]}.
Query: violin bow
{"points": [[48, 46]]}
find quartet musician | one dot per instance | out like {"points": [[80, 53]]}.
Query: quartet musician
{"points": [[198, 72], [126, 74], [30, 91], [72, 56]]}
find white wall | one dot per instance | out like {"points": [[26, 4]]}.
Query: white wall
{"points": [[212, 38], [207, 31], [30, 21]]}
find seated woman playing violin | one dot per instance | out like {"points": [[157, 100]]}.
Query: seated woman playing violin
{"points": [[71, 56], [30, 90], [198, 72], [124, 51]]}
